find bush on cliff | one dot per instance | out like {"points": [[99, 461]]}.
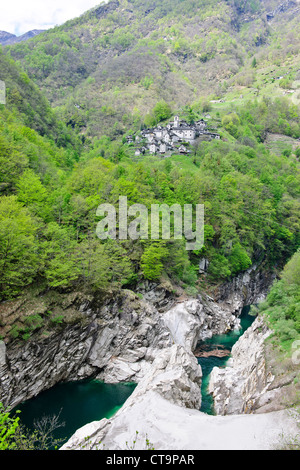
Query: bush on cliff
{"points": [[282, 306]]}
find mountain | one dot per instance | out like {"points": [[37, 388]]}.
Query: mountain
{"points": [[106, 70], [25, 99], [8, 38], [124, 66], [31, 135]]}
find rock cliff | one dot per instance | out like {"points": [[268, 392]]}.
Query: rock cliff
{"points": [[115, 338], [163, 413], [250, 383], [175, 377], [235, 387]]}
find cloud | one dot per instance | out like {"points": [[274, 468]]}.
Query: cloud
{"points": [[19, 16]]}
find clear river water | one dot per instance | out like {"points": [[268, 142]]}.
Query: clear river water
{"points": [[79, 403], [225, 341]]}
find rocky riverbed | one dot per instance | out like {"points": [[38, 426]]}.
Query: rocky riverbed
{"points": [[250, 383], [217, 351], [148, 337], [115, 338], [163, 413]]}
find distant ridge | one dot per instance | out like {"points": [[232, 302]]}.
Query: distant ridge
{"points": [[8, 38], [107, 69]]}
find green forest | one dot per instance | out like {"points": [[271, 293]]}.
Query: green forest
{"points": [[104, 71], [59, 162]]}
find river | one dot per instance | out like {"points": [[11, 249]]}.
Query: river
{"points": [[79, 403], [76, 404], [225, 341]]}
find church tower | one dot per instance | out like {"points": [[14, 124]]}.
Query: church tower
{"points": [[176, 121]]}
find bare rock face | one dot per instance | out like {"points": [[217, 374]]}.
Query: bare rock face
{"points": [[236, 388], [184, 322], [163, 413], [25, 372], [249, 287], [2, 353], [175, 376], [117, 338], [135, 348]]}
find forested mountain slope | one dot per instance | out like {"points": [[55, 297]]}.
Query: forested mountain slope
{"points": [[107, 69], [30, 106], [117, 68]]}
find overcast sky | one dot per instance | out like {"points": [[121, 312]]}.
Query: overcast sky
{"points": [[19, 16]]}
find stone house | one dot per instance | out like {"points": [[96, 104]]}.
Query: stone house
{"points": [[162, 147], [152, 147], [158, 132], [185, 132], [140, 151], [167, 137], [200, 125]]}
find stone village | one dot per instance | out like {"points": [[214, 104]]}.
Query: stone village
{"points": [[175, 137]]}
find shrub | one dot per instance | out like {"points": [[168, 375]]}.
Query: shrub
{"points": [[219, 267], [151, 261], [239, 259], [8, 428]]}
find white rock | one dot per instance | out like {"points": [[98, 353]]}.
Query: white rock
{"points": [[171, 427], [184, 322], [235, 387], [175, 375], [2, 353]]}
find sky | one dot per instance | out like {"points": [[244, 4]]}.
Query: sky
{"points": [[19, 16]]}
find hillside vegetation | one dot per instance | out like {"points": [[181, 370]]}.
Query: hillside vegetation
{"points": [[106, 70], [281, 308], [110, 72]]}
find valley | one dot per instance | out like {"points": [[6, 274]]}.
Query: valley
{"points": [[176, 102]]}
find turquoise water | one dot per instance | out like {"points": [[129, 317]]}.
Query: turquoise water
{"points": [[208, 363], [76, 403], [79, 403]]}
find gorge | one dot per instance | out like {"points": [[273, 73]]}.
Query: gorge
{"points": [[149, 341], [94, 400], [117, 338]]}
